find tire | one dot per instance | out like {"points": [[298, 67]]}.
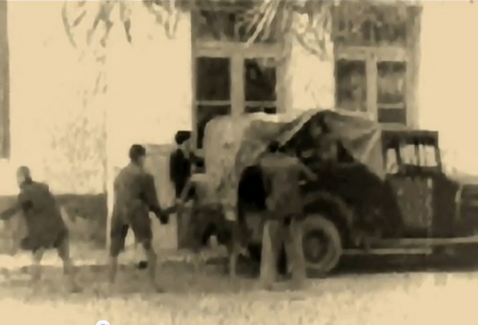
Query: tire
{"points": [[314, 223], [319, 230]]}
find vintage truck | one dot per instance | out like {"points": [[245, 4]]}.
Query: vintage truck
{"points": [[385, 193]]}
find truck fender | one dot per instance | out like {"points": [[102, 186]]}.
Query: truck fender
{"points": [[332, 208]]}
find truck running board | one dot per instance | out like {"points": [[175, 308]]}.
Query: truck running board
{"points": [[389, 251], [425, 242], [410, 246]]}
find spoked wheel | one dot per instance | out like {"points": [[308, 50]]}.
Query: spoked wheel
{"points": [[322, 245]]}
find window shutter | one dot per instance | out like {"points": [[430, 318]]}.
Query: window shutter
{"points": [[4, 84]]}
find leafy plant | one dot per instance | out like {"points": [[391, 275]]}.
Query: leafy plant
{"points": [[308, 21], [257, 16]]}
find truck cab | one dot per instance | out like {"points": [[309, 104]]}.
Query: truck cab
{"points": [[432, 203]]}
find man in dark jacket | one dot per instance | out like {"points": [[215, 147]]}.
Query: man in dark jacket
{"points": [[45, 226], [134, 197], [180, 162], [283, 224]]}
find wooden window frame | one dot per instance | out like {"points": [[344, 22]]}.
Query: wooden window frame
{"points": [[237, 52], [371, 55]]}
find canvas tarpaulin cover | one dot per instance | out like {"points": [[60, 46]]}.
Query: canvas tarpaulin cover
{"points": [[231, 144]]}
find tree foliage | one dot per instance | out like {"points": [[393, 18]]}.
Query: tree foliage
{"points": [[258, 17], [308, 21]]}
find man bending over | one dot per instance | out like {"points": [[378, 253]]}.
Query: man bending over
{"points": [[134, 196], [45, 226]]}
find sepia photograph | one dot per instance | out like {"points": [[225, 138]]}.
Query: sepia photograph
{"points": [[238, 162]]}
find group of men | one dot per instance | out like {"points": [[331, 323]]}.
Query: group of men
{"points": [[282, 171], [135, 197]]}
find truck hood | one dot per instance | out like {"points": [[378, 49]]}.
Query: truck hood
{"points": [[464, 179], [468, 188]]}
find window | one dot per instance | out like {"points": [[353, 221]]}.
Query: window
{"points": [[375, 59], [231, 78], [213, 81], [391, 92], [412, 155], [351, 78], [213, 91], [4, 84], [260, 85]]}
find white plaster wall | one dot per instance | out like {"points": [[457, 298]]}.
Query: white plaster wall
{"points": [[49, 114], [448, 89], [58, 122], [149, 84], [309, 78]]}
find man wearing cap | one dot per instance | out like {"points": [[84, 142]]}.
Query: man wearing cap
{"points": [[134, 197]]}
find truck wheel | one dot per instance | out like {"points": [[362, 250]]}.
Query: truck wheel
{"points": [[322, 244]]}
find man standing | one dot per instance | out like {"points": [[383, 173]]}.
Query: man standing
{"points": [[180, 163], [285, 212], [134, 196], [45, 226]]}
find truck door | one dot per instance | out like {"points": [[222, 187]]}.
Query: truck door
{"points": [[406, 164]]}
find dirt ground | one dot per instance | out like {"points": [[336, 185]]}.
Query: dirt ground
{"points": [[208, 297]]}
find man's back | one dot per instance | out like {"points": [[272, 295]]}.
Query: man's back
{"points": [[129, 185], [282, 176], [39, 207]]}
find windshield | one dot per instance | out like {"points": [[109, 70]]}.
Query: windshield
{"points": [[414, 155]]}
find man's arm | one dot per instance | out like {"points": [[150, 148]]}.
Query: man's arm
{"points": [[196, 159], [306, 170], [184, 197], [23, 203], [10, 212], [151, 199]]}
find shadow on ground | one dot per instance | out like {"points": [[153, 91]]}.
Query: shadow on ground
{"points": [[465, 260], [174, 277], [182, 279]]}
